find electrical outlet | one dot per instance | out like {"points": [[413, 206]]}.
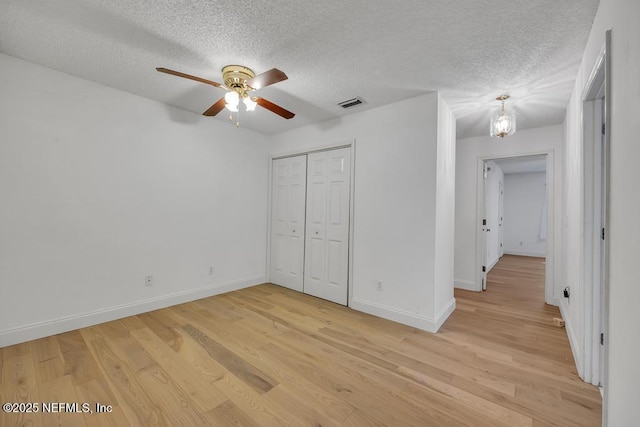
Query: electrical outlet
{"points": [[148, 281], [210, 271], [380, 285]]}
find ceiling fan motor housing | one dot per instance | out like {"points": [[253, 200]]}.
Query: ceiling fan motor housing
{"points": [[236, 76]]}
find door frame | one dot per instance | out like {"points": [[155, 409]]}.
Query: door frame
{"points": [[549, 285], [594, 216], [323, 147]]}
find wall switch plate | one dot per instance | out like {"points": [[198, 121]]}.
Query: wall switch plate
{"points": [[148, 281], [380, 286]]}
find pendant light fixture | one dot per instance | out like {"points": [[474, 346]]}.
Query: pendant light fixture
{"points": [[503, 123]]}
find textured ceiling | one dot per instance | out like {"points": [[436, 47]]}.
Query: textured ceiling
{"points": [[383, 51]]}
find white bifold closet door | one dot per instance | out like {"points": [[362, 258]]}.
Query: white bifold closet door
{"points": [[288, 221], [326, 269], [310, 202]]}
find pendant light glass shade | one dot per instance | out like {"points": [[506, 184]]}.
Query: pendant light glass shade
{"points": [[503, 123]]}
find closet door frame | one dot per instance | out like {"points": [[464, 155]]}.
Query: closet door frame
{"points": [[351, 144]]}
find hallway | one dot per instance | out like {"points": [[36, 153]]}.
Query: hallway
{"points": [[526, 361]]}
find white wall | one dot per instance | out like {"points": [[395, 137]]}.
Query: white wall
{"points": [[468, 153], [445, 212], [100, 188], [524, 211], [495, 176], [623, 335], [397, 181]]}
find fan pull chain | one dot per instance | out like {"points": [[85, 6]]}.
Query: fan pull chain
{"points": [[237, 117]]}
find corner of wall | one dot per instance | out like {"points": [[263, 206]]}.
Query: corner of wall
{"points": [[429, 324], [467, 285]]}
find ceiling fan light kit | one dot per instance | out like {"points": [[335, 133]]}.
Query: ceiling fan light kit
{"points": [[240, 81], [503, 123]]}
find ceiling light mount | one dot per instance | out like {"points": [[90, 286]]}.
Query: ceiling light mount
{"points": [[503, 122], [236, 76], [235, 80]]}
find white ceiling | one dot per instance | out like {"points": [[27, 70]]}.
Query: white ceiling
{"points": [[332, 50]]}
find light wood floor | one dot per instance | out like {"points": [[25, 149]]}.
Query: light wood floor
{"points": [[267, 356]]}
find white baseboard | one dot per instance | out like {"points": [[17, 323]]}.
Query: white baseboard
{"points": [[524, 253], [406, 318], [492, 264], [444, 314], [467, 285], [573, 342], [554, 301], [69, 323]]}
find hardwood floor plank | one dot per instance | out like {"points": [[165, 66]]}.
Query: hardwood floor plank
{"points": [[19, 386], [360, 419], [228, 414], [96, 392], [115, 418], [197, 357], [77, 358], [216, 306], [133, 323], [199, 388], [49, 370], [259, 381], [16, 350], [136, 403], [44, 349], [176, 405], [61, 390], [299, 411], [250, 402], [164, 327]]}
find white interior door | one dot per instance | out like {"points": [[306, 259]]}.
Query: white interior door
{"points": [[501, 214], [484, 237], [603, 244], [288, 203], [327, 228]]}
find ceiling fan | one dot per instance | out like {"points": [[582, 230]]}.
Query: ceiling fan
{"points": [[240, 81]]}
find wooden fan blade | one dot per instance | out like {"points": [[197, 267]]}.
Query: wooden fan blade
{"points": [[215, 108], [267, 78], [188, 76], [274, 108]]}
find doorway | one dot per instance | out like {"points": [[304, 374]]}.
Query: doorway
{"points": [[515, 207], [310, 223]]}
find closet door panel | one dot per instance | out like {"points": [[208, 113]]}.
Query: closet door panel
{"points": [[288, 204], [327, 228]]}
